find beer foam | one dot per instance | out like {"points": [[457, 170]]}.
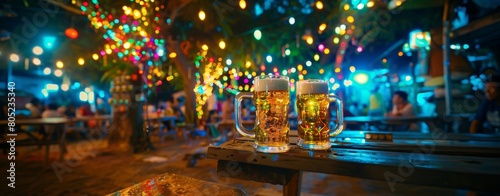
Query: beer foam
{"points": [[312, 87], [271, 84]]}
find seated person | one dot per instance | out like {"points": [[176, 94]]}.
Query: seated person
{"points": [[50, 112], [487, 119], [402, 108]]}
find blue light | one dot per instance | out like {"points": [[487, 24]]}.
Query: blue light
{"points": [[466, 46], [101, 94], [49, 41], [76, 85], [45, 92]]}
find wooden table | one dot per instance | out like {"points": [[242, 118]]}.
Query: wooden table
{"points": [[432, 121], [225, 125], [378, 120], [47, 122], [172, 184], [416, 164], [160, 120]]}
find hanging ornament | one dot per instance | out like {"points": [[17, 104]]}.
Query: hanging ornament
{"points": [[71, 33], [185, 46]]}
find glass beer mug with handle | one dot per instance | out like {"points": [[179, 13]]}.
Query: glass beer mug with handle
{"points": [[271, 97], [313, 101]]}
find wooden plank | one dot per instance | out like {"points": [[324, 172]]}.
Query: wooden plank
{"points": [[441, 135], [254, 172], [38, 121], [462, 172]]}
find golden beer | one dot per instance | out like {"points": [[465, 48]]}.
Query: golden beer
{"points": [[313, 120], [271, 98], [271, 129]]}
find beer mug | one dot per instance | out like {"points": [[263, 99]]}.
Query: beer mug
{"points": [[271, 97], [313, 101]]}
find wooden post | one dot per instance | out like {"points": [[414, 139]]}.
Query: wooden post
{"points": [[446, 58], [292, 187]]}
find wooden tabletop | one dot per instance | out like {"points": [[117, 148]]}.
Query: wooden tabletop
{"points": [[417, 118], [162, 118], [38, 121], [172, 184], [86, 118], [380, 119], [416, 166], [55, 120]]}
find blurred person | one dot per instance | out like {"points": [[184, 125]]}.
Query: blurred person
{"points": [[35, 108], [4, 109], [179, 111], [355, 110], [102, 107], [84, 110], [51, 111], [487, 119], [169, 108], [227, 109], [402, 108], [364, 109], [377, 105], [212, 107], [70, 111]]}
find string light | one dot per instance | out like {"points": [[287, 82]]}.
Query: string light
{"points": [[222, 44], [59, 64], [243, 4], [201, 15], [319, 5], [81, 61]]}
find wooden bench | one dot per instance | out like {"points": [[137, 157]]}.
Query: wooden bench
{"points": [[172, 184]]}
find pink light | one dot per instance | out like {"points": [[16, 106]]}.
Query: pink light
{"points": [[359, 49], [103, 53], [135, 23], [245, 81], [321, 47]]}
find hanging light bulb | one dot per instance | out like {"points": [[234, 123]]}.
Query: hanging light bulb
{"points": [[202, 15], [257, 34], [81, 61], [222, 44], [319, 5], [243, 4]]}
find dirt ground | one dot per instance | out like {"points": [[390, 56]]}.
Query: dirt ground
{"points": [[91, 169]]}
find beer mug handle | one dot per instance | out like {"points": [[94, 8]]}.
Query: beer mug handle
{"points": [[237, 104], [340, 116]]}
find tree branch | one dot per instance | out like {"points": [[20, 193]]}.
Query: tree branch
{"points": [[66, 7]]}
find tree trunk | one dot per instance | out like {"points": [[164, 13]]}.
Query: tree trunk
{"points": [[186, 69], [128, 133]]}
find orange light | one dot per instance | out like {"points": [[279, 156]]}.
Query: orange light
{"points": [[71, 33]]}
